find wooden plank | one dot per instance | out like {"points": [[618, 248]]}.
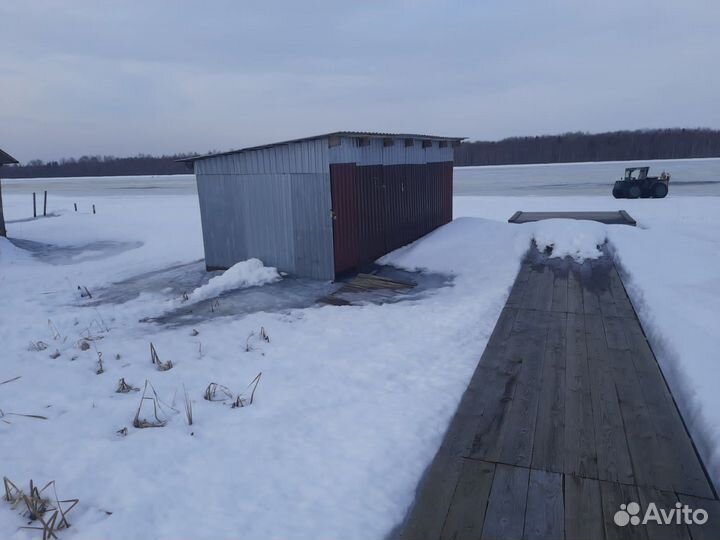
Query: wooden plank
{"points": [[600, 285], [519, 287], [539, 293], [620, 217], [579, 439], [545, 512], [688, 475], [613, 495], [505, 514], [560, 293], [501, 332], [591, 304], [652, 466], [548, 444], [583, 509], [612, 451], [466, 516], [518, 432], [623, 306], [711, 529], [665, 500], [503, 382], [432, 500], [575, 293], [615, 332]]}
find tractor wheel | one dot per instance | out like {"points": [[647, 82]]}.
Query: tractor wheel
{"points": [[618, 193], [659, 191], [634, 192]]}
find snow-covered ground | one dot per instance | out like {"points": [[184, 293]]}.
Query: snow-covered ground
{"points": [[353, 400]]}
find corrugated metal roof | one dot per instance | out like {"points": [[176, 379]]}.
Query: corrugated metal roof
{"points": [[6, 159], [350, 134]]}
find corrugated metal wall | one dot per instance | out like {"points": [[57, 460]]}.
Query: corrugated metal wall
{"points": [[273, 204], [311, 209], [386, 196]]}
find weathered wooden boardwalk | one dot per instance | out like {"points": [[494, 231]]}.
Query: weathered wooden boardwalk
{"points": [[567, 417]]}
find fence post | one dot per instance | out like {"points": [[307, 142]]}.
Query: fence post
{"points": [[34, 206], [75, 205], [45, 203], [93, 208]]}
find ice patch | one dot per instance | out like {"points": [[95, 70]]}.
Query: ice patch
{"points": [[9, 253], [244, 274], [574, 238]]}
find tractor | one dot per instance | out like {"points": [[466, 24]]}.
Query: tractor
{"points": [[637, 183]]}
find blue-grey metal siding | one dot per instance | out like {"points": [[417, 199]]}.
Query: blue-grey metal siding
{"points": [[273, 204]]}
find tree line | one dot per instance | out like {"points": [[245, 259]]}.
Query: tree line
{"points": [[141, 164], [645, 144]]}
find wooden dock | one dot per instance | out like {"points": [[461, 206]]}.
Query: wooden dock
{"points": [[619, 217], [567, 417]]}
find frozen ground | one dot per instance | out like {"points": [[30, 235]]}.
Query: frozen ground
{"points": [[353, 400]]}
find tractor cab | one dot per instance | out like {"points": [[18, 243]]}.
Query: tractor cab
{"points": [[636, 183], [636, 173]]}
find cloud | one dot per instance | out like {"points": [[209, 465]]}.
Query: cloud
{"points": [[99, 77]]}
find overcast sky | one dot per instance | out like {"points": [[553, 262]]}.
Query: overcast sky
{"points": [[123, 77]]}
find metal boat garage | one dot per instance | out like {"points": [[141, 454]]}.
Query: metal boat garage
{"points": [[323, 205]]}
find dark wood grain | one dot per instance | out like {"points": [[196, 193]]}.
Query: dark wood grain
{"points": [[505, 514], [549, 445], [613, 495], [567, 416], [466, 517], [545, 512], [560, 293], [579, 438], [575, 293], [583, 509], [611, 443], [711, 529], [663, 500]]}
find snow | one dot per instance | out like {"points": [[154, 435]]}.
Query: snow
{"points": [[580, 240], [248, 273], [353, 401]]}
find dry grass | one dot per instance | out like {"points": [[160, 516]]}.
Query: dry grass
{"points": [[217, 392], [125, 388], [84, 292], [38, 506], [240, 400], [4, 414], [188, 407], [263, 335], [155, 359], [100, 368], [37, 346], [54, 330], [159, 415]]}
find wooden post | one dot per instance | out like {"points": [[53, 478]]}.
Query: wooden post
{"points": [[45, 203], [34, 206], [93, 208]]}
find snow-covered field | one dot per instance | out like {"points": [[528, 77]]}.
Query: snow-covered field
{"points": [[353, 401]]}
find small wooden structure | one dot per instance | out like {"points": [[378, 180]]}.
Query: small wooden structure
{"points": [[5, 159], [323, 205], [619, 217]]}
